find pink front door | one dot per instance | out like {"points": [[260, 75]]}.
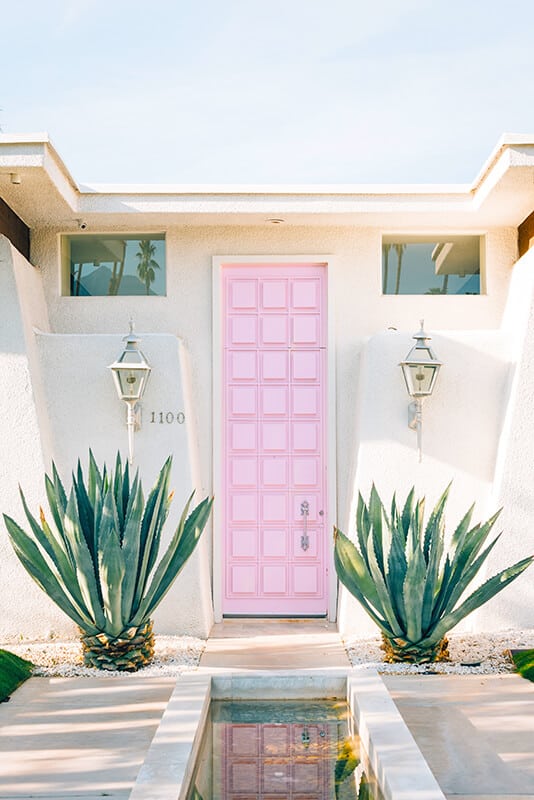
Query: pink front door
{"points": [[274, 440]]}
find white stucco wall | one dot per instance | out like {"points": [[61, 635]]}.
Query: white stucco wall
{"points": [[462, 423], [58, 400], [513, 487], [84, 412], [24, 433]]}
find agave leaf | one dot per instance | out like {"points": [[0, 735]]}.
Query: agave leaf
{"points": [[461, 531], [376, 517], [180, 548], [385, 607], [130, 545], [397, 566], [466, 577], [481, 595], [94, 479], [471, 545], [111, 567], [353, 573], [413, 590], [85, 512], [127, 489], [468, 544], [98, 507], [363, 526], [37, 567], [431, 588], [50, 545], [150, 530], [58, 555], [57, 514], [407, 513], [117, 490], [435, 523], [83, 562], [434, 544], [57, 498]]}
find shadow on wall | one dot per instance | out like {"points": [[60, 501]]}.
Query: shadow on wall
{"points": [[462, 421]]}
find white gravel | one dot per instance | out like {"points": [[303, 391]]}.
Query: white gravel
{"points": [[63, 659], [178, 654], [471, 653]]}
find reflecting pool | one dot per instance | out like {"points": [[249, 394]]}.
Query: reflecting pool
{"points": [[274, 750]]}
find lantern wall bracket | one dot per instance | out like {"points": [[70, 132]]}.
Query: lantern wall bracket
{"points": [[420, 369], [130, 372]]}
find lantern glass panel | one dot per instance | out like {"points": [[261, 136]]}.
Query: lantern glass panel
{"points": [[130, 382], [422, 378]]}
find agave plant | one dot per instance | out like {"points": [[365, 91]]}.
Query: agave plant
{"points": [[405, 579], [96, 557]]}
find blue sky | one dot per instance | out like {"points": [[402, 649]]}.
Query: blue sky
{"points": [[284, 91]]}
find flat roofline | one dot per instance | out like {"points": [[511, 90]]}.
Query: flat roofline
{"points": [[507, 173], [366, 189]]}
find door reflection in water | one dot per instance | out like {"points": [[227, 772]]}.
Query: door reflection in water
{"points": [[277, 750]]}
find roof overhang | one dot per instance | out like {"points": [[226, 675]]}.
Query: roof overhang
{"points": [[45, 194]]}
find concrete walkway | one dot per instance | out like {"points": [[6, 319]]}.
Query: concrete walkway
{"points": [[274, 644], [68, 738]]}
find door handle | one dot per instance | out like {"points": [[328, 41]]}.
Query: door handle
{"points": [[304, 511]]}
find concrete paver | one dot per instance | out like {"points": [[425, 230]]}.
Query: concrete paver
{"points": [[274, 644], [475, 731], [78, 737]]}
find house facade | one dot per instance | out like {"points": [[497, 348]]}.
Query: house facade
{"points": [[274, 319]]}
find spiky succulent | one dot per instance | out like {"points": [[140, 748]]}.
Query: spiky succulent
{"points": [[407, 582], [96, 558]]}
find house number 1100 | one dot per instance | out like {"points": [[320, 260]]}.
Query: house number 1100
{"points": [[168, 416]]}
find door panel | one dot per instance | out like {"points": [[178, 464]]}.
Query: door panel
{"points": [[274, 440]]}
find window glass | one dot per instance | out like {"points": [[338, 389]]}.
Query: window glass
{"points": [[115, 265], [416, 265]]}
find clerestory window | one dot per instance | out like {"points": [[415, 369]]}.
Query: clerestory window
{"points": [[431, 265], [111, 264]]}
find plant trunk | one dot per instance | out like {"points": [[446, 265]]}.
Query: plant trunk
{"points": [[399, 650], [128, 652]]}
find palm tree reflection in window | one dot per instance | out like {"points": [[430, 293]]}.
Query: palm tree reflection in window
{"points": [[399, 249], [147, 265], [385, 251]]}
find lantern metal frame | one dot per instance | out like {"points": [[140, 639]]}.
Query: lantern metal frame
{"points": [[131, 372], [420, 370]]}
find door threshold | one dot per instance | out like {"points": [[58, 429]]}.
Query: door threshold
{"points": [[274, 617]]}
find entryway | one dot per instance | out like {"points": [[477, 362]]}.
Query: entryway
{"points": [[263, 644]]}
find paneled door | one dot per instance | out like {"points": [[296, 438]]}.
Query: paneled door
{"points": [[274, 440]]}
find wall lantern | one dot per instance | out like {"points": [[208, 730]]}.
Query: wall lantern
{"points": [[130, 373], [420, 369]]}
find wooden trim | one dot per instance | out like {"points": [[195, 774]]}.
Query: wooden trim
{"points": [[14, 228], [525, 235]]}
